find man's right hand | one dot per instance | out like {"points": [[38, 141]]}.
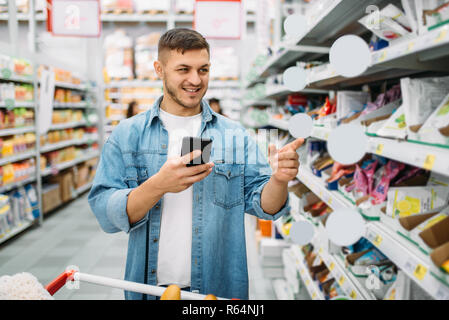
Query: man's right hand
{"points": [[175, 176]]}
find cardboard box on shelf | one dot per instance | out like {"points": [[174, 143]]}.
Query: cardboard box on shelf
{"points": [[82, 176], [66, 183], [436, 235], [51, 197]]}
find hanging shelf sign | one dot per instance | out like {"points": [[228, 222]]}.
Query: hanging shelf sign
{"points": [[220, 19], [74, 18]]}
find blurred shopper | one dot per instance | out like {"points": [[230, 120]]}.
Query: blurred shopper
{"points": [[133, 109]]}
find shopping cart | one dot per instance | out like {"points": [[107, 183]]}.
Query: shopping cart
{"points": [[72, 275]]}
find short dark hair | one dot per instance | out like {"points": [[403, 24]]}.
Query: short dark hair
{"points": [[182, 40]]}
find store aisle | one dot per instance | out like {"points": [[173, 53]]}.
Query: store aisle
{"points": [[72, 236]]}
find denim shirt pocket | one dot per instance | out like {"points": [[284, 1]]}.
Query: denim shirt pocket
{"points": [[228, 185]]}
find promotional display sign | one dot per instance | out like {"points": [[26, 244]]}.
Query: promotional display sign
{"points": [[74, 18], [220, 19]]}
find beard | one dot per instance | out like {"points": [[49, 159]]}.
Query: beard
{"points": [[172, 93]]}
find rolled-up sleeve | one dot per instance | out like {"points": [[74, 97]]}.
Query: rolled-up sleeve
{"points": [[257, 175], [108, 196]]}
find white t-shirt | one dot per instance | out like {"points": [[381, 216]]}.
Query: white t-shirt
{"points": [[175, 241]]}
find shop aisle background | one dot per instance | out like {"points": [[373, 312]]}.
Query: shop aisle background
{"points": [[72, 236]]}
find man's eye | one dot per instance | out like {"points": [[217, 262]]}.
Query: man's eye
{"points": [[204, 70], [182, 69]]}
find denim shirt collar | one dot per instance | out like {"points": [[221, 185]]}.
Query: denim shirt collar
{"points": [[207, 113]]}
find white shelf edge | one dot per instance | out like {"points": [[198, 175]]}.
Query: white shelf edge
{"points": [[17, 184], [402, 253], [19, 157], [13, 131], [24, 225], [63, 144], [68, 164]]}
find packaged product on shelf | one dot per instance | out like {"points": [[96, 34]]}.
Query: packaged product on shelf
{"points": [[226, 63], [389, 24], [23, 93], [6, 62], [350, 103], [420, 99], [158, 6], [118, 55], [395, 126], [145, 54], [407, 201], [184, 6], [31, 195], [400, 290], [7, 93], [22, 67], [436, 127]]}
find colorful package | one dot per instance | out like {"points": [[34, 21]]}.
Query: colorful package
{"points": [[436, 127], [395, 126], [380, 192], [407, 201]]}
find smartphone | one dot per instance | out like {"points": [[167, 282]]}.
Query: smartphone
{"points": [[191, 143]]}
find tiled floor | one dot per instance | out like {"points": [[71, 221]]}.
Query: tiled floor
{"points": [[72, 236]]}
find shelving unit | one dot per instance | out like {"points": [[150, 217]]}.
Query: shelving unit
{"points": [[426, 54]]}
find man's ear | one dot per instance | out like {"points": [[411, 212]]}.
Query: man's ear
{"points": [[158, 68]]}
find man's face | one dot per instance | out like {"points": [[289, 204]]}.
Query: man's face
{"points": [[185, 76]]}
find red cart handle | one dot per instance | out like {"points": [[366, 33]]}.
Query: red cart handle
{"points": [[60, 281]]}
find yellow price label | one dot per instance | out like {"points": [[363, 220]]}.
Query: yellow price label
{"points": [[320, 251], [341, 281], [321, 194], [332, 266], [380, 149], [326, 136], [429, 162], [420, 272], [441, 36], [383, 56], [377, 240], [301, 272], [307, 282], [314, 295], [353, 295], [410, 46]]}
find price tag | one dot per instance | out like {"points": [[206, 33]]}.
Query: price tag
{"points": [[332, 266], [302, 272], [383, 56], [420, 272], [320, 251], [314, 296], [6, 73], [326, 136], [353, 295], [410, 46], [341, 281], [307, 282], [377, 240], [321, 194], [379, 149], [429, 162], [441, 36]]}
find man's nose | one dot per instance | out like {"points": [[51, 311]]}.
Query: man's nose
{"points": [[194, 78]]}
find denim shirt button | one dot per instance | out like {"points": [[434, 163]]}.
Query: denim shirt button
{"points": [[155, 240], [153, 271], [164, 146]]}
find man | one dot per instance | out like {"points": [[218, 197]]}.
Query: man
{"points": [[186, 224], [214, 104]]}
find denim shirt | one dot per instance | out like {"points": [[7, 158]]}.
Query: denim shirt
{"points": [[135, 151]]}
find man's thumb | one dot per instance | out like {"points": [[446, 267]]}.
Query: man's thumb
{"points": [[190, 156]]}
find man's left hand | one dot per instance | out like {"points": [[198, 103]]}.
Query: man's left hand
{"points": [[285, 161]]}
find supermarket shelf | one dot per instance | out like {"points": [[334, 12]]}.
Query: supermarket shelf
{"points": [[134, 84], [288, 55], [72, 86], [9, 132], [409, 259], [68, 164], [16, 78], [424, 53], [18, 104], [347, 282], [61, 126], [13, 185], [259, 102], [224, 84], [420, 155], [24, 17], [311, 286], [84, 188], [118, 95], [63, 144], [23, 226], [59, 105], [272, 91], [134, 17], [18, 157], [415, 263]]}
